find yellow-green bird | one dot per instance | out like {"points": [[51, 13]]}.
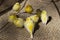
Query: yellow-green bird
{"points": [[19, 22], [28, 9], [44, 17], [12, 17], [34, 18], [16, 6], [30, 24]]}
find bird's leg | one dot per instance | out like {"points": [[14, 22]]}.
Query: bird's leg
{"points": [[31, 36]]}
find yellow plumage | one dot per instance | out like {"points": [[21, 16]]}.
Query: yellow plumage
{"points": [[28, 9], [28, 18], [19, 22], [34, 18], [16, 6], [44, 17], [11, 18], [30, 24]]}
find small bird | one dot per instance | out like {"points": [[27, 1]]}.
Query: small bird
{"points": [[19, 22], [44, 17], [30, 24], [38, 12], [16, 6], [28, 9], [34, 18], [12, 17]]}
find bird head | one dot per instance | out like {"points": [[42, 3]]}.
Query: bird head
{"points": [[44, 12]]}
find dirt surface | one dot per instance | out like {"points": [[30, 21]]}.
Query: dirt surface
{"points": [[51, 31]]}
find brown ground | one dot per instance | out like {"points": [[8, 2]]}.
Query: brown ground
{"points": [[51, 31]]}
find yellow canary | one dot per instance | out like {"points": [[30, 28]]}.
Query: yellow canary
{"points": [[11, 18], [34, 18], [44, 17], [28, 9], [19, 22], [29, 25], [28, 18], [16, 6]]}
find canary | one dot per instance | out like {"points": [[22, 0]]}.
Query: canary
{"points": [[11, 18], [28, 9], [34, 18], [38, 12], [16, 6], [19, 22], [44, 17], [29, 25]]}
